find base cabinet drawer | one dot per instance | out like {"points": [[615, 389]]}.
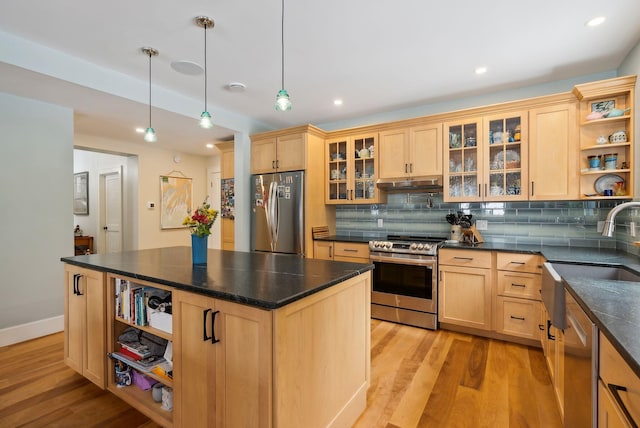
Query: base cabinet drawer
{"points": [[517, 284], [619, 380], [518, 317]]}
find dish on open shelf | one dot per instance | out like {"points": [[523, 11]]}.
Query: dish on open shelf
{"points": [[607, 181]]}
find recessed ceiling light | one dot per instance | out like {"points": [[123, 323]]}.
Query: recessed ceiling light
{"points": [[481, 70], [140, 130], [189, 68], [209, 146], [337, 102], [594, 22], [236, 87]]}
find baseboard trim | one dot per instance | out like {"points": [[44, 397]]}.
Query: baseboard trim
{"points": [[31, 330]]}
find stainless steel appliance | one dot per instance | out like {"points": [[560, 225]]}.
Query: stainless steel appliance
{"points": [[580, 366], [277, 217], [405, 280]]}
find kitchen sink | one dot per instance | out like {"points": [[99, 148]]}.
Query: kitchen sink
{"points": [[552, 290], [616, 273]]}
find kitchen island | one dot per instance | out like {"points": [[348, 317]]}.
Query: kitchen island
{"points": [[258, 339]]}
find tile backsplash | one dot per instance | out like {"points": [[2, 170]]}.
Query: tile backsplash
{"points": [[566, 223]]}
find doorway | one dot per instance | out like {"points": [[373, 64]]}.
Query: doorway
{"points": [[111, 211]]}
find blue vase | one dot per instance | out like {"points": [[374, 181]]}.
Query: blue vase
{"points": [[199, 249]]}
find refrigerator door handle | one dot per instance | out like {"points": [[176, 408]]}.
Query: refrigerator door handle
{"points": [[272, 214]]}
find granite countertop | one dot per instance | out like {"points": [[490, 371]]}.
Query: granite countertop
{"points": [[258, 279], [614, 306]]}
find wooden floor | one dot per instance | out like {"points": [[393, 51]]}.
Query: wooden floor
{"points": [[420, 378]]}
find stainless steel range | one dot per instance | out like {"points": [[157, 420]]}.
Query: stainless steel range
{"points": [[405, 280]]}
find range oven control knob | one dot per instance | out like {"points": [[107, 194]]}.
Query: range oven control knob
{"points": [[414, 246], [388, 245], [421, 246]]}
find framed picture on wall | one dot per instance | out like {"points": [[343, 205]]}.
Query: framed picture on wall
{"points": [[81, 193], [175, 201]]}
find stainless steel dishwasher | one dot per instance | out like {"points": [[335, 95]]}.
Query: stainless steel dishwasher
{"points": [[580, 367]]}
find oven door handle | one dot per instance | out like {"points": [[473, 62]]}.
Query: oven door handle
{"points": [[402, 261]]}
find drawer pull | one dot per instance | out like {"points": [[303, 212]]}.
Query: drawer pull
{"points": [[517, 263], [463, 258], [518, 285], [517, 318], [616, 395], [350, 250]]}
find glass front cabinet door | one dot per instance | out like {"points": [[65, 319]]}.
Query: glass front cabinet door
{"points": [[352, 170], [486, 159]]}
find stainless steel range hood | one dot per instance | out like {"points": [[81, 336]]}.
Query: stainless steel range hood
{"points": [[431, 184]]}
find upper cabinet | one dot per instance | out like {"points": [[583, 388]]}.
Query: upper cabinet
{"points": [[553, 152], [606, 129], [352, 169], [411, 152], [486, 158], [278, 154]]}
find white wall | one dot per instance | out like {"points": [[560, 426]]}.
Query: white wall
{"points": [[152, 162], [36, 222]]}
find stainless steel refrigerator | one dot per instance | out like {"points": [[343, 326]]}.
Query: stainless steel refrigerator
{"points": [[277, 217]]}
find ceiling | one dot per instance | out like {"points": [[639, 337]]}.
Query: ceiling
{"points": [[377, 56]]}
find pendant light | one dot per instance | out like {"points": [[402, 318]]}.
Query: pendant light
{"points": [[205, 117], [150, 133], [283, 103]]}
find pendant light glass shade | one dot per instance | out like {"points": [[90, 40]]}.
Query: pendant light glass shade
{"points": [[150, 133], [283, 102], [205, 118]]}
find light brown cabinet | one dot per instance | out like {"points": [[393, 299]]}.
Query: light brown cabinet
{"points": [[618, 387], [352, 169], [465, 288], [486, 158], [553, 152], [552, 341], [411, 152], [341, 251], [222, 359], [518, 294], [85, 323], [615, 154], [278, 153]]}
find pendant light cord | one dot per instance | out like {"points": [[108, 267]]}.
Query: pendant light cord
{"points": [[282, 33], [205, 66], [150, 88]]}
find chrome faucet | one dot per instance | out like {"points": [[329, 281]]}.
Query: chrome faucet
{"points": [[609, 223]]}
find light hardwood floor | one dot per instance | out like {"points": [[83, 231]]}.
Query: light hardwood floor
{"points": [[420, 378]]}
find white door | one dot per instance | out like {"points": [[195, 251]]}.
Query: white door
{"points": [[112, 198], [215, 193]]}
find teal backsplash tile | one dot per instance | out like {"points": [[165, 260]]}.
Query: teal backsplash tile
{"points": [[566, 223]]}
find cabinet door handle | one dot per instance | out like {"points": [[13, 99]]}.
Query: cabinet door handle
{"points": [[541, 327], [213, 329], [406, 168], [485, 189], [549, 335], [411, 168], [277, 163], [273, 164], [479, 190], [532, 192], [516, 318], [616, 395], [76, 284], [204, 325], [518, 285]]}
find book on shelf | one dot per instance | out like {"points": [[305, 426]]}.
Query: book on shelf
{"points": [[145, 365], [132, 301], [136, 348]]}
